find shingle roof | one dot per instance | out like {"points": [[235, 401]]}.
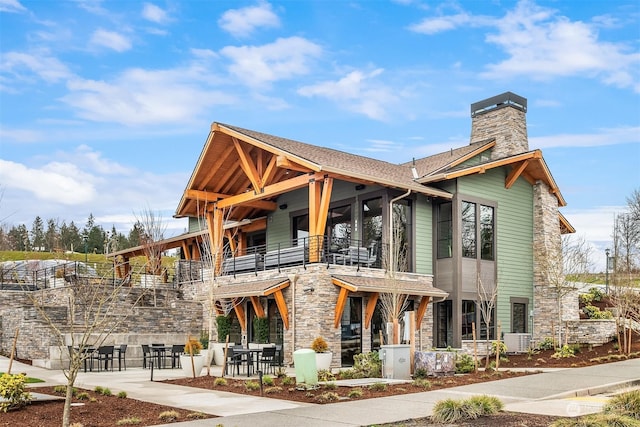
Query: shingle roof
{"points": [[336, 161]]}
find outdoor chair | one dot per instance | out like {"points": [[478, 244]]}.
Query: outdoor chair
{"points": [[234, 360], [146, 353], [122, 356], [268, 359], [176, 351], [105, 354]]}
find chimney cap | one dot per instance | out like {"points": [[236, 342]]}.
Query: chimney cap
{"points": [[507, 99]]}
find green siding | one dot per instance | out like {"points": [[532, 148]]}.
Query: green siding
{"points": [[514, 235], [423, 236]]}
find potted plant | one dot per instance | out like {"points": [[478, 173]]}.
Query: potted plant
{"points": [[323, 355], [224, 328], [191, 360]]}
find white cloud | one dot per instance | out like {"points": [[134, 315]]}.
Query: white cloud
{"points": [[40, 63], [358, 92], [153, 13], [441, 23], [139, 97], [20, 135], [542, 45], [243, 22], [11, 6], [111, 40], [56, 182], [611, 136], [280, 60]]}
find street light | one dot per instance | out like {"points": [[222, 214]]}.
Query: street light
{"points": [[606, 271], [86, 240]]}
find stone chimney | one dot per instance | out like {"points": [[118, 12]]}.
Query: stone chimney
{"points": [[503, 118]]}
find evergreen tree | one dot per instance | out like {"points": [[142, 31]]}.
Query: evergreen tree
{"points": [[37, 234], [51, 236]]}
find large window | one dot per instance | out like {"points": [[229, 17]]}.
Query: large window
{"points": [[301, 229], [486, 232], [445, 230], [468, 229], [468, 317], [339, 227], [519, 315]]}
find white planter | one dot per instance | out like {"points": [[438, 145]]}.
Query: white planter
{"points": [[323, 361], [218, 352], [187, 369]]}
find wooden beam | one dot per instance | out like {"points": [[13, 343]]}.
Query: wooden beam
{"points": [[213, 169], [282, 308], [239, 309], [259, 224], [422, 309], [203, 196], [257, 307], [284, 163], [270, 171], [342, 301], [248, 167], [371, 306], [214, 223], [270, 190], [323, 210], [515, 173]]}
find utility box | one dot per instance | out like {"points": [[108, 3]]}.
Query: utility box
{"points": [[517, 342], [396, 361], [305, 366], [436, 363]]}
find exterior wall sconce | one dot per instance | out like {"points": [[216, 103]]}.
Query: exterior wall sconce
{"points": [[360, 187], [308, 289], [283, 206]]}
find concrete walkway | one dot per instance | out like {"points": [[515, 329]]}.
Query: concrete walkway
{"points": [[566, 392]]}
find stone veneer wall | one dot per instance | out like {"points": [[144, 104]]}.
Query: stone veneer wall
{"points": [[547, 256], [507, 125], [313, 313], [169, 321], [591, 331]]}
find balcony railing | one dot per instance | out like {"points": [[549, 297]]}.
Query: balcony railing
{"points": [[297, 252]]}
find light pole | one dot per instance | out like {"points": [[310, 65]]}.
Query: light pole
{"points": [[606, 271], [86, 240]]}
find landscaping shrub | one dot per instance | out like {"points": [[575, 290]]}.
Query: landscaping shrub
{"points": [[564, 351], [487, 405], [420, 373], [331, 386], [597, 420], [128, 421], [168, 416], [288, 380], [355, 393], [452, 411], [122, 395], [13, 391], [326, 375], [82, 396], [594, 312], [274, 389], [502, 349], [220, 382], [329, 396], [421, 383], [596, 294], [252, 385], [378, 386], [267, 380], [464, 363], [196, 416], [448, 411], [627, 404], [367, 365], [546, 344]]}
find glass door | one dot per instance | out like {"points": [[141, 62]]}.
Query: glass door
{"points": [[351, 330]]}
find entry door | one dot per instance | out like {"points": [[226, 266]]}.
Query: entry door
{"points": [[444, 329], [351, 330]]}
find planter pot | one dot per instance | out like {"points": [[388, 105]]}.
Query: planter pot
{"points": [[323, 361], [198, 363], [218, 352]]}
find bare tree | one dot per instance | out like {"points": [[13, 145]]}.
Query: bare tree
{"points": [[564, 270], [394, 302], [96, 307], [487, 297], [151, 240]]}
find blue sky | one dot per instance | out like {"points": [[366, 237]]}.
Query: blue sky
{"points": [[105, 106]]}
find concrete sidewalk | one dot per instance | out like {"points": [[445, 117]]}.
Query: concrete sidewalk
{"points": [[558, 392]]}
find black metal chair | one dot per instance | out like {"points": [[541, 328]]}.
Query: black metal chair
{"points": [[105, 354], [268, 359], [146, 353], [176, 351], [122, 356], [160, 352], [234, 360]]}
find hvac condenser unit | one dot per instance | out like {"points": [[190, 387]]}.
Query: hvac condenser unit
{"points": [[517, 342]]}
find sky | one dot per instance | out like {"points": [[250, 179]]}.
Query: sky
{"points": [[105, 105]]}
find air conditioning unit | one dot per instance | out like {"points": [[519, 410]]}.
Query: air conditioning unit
{"points": [[517, 342]]}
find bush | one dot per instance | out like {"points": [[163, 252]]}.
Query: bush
{"points": [[502, 348], [627, 404], [319, 345], [597, 420], [355, 393], [420, 373], [128, 421], [585, 298], [223, 324], [564, 351], [267, 380], [122, 395], [196, 416], [193, 346], [329, 396], [261, 329], [452, 411], [252, 385], [288, 381], [82, 396], [168, 416], [594, 312], [378, 386], [271, 390], [13, 391], [596, 294], [331, 386], [368, 365], [546, 344], [464, 363], [220, 382], [421, 383], [326, 375]]}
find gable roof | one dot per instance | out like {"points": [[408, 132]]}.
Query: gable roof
{"points": [[221, 168]]}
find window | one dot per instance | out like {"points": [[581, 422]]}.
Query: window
{"points": [[300, 229], [518, 316], [468, 229], [468, 317], [372, 221], [486, 232], [339, 226], [491, 322], [445, 231]]}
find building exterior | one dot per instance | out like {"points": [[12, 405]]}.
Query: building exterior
{"points": [[319, 240]]}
